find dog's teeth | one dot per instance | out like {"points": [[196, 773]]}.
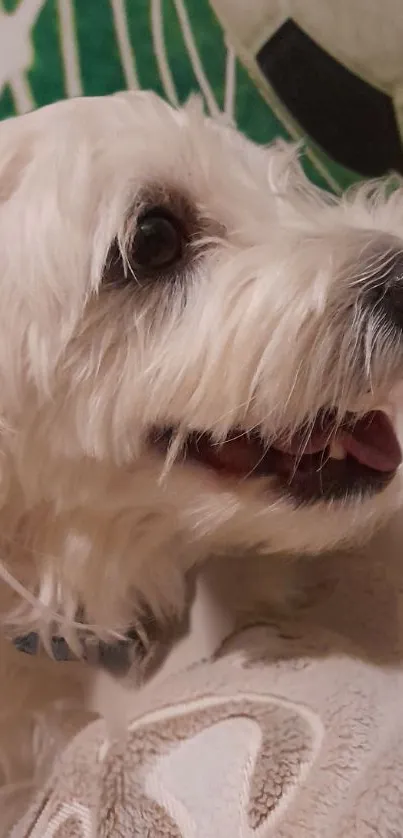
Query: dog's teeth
{"points": [[336, 450]]}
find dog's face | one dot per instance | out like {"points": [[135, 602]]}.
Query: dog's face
{"points": [[182, 307]]}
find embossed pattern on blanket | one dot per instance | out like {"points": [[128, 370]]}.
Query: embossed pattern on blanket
{"points": [[139, 783], [311, 747]]}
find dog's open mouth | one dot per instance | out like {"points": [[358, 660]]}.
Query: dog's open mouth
{"points": [[325, 460]]}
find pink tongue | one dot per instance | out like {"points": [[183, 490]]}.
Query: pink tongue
{"points": [[370, 440], [373, 442]]}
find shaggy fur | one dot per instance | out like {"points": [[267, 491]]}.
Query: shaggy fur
{"points": [[265, 323]]}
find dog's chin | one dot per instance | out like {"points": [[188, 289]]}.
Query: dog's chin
{"points": [[327, 459]]}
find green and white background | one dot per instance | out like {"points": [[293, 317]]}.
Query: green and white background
{"points": [[52, 49]]}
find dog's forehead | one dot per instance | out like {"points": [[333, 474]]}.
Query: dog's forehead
{"points": [[118, 145], [140, 124], [136, 140]]}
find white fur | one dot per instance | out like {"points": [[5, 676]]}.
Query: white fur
{"points": [[260, 334]]}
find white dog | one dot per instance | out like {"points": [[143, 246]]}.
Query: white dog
{"points": [[198, 354]]}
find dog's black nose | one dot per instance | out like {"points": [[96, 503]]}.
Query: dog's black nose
{"points": [[384, 282]]}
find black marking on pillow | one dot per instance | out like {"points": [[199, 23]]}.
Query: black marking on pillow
{"points": [[354, 122]]}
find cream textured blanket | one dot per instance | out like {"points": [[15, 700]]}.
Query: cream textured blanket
{"points": [[291, 729]]}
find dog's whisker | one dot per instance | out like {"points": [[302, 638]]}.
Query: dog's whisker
{"points": [[39, 608], [176, 446]]}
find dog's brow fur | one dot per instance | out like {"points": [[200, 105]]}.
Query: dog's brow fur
{"points": [[266, 323]]}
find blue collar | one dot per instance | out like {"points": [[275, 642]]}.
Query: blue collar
{"points": [[116, 657]]}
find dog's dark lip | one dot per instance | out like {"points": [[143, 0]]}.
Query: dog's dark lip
{"points": [[301, 464]]}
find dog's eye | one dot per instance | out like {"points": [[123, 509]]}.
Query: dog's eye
{"points": [[159, 240]]}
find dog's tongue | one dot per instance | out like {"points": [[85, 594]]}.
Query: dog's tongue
{"points": [[373, 442], [370, 440]]}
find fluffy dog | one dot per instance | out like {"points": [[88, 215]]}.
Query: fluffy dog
{"points": [[198, 355]]}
